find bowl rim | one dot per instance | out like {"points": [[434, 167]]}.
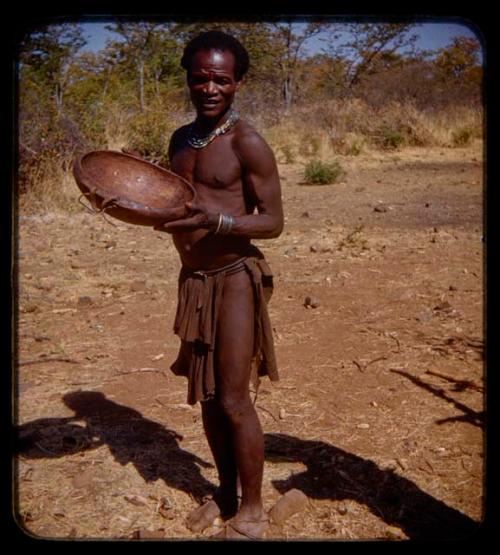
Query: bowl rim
{"points": [[90, 188]]}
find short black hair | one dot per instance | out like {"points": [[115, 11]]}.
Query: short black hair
{"points": [[217, 40]]}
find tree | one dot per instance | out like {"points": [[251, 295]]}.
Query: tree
{"points": [[458, 59], [288, 44], [49, 52], [375, 46], [147, 46]]}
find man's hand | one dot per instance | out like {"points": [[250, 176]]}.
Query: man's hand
{"points": [[197, 218]]}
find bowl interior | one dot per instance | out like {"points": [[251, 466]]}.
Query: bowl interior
{"points": [[138, 181]]}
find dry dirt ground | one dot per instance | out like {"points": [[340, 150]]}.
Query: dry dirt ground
{"points": [[379, 414]]}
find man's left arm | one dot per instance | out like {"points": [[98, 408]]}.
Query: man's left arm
{"points": [[261, 184]]}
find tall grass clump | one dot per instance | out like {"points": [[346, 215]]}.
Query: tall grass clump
{"points": [[462, 136], [47, 186], [317, 172]]}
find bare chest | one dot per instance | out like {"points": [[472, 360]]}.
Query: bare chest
{"points": [[215, 166]]}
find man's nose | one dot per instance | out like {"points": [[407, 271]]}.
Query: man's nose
{"points": [[209, 87]]}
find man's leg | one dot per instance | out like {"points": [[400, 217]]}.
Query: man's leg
{"points": [[235, 339], [220, 440]]}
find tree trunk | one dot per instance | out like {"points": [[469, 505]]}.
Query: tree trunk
{"points": [[141, 84], [58, 95], [287, 93], [157, 84]]}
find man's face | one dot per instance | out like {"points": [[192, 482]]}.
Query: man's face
{"points": [[212, 83]]}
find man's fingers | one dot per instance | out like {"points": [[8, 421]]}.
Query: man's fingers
{"points": [[193, 207], [180, 224]]}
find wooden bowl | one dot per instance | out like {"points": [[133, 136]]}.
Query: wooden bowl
{"points": [[131, 189]]}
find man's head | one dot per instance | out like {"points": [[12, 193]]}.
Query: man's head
{"points": [[221, 42], [215, 64]]}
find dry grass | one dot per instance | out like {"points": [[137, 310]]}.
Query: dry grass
{"points": [[320, 132], [351, 127], [50, 188]]}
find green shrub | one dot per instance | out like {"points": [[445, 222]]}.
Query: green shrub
{"points": [[149, 134], [462, 136], [322, 173], [390, 138], [354, 148]]}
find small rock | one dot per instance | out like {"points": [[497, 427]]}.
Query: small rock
{"points": [[85, 300], [380, 208], [158, 357], [304, 215], [30, 307], [282, 414], [342, 509], [136, 500], [445, 306], [312, 302], [363, 426], [110, 245], [166, 509], [292, 502], [313, 248], [453, 288]]}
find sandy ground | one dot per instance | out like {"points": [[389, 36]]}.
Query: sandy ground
{"points": [[379, 414]]}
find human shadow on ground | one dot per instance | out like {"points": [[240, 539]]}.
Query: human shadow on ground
{"points": [[470, 416], [335, 474], [152, 448]]}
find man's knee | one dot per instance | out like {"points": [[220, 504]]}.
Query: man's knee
{"points": [[235, 405]]}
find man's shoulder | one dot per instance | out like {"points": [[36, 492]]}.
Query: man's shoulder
{"points": [[247, 137]]}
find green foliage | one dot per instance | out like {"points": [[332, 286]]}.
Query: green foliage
{"points": [[462, 136], [390, 138], [133, 91], [149, 133], [317, 172]]}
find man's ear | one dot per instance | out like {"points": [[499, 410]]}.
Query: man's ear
{"points": [[239, 83]]}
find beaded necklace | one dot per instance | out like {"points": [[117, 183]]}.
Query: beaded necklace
{"points": [[199, 141]]}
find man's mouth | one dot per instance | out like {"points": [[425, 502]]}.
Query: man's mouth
{"points": [[209, 103]]}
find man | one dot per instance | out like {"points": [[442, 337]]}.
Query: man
{"points": [[225, 283]]}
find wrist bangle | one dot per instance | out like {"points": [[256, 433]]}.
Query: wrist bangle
{"points": [[219, 224], [225, 224]]}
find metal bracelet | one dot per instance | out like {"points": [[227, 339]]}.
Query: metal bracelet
{"points": [[219, 224], [226, 225]]}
